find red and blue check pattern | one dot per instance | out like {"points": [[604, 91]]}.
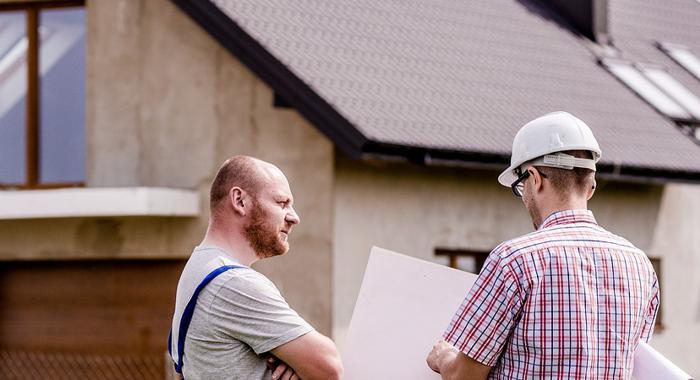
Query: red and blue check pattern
{"points": [[568, 301]]}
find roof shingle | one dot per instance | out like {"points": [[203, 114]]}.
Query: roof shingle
{"points": [[465, 75]]}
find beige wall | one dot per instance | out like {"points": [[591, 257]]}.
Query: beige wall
{"points": [[676, 240], [166, 105], [413, 210]]}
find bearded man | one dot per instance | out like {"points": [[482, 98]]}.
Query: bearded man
{"points": [[230, 321]]}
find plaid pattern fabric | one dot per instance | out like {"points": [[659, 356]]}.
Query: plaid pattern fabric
{"points": [[568, 301]]}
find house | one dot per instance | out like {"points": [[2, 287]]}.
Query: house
{"points": [[391, 120]]}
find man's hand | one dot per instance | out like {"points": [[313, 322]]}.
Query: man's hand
{"points": [[452, 364], [280, 370], [441, 352]]}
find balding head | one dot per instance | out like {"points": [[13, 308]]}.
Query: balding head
{"points": [[252, 207], [245, 172]]}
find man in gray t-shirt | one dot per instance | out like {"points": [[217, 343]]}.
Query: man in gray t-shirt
{"points": [[241, 321]]}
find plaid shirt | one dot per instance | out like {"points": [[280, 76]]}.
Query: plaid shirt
{"points": [[568, 301]]}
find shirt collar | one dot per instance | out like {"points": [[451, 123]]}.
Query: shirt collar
{"points": [[568, 217]]}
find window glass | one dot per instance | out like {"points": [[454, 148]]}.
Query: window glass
{"points": [[629, 75], [683, 57], [469, 261], [675, 89], [13, 93], [62, 89]]}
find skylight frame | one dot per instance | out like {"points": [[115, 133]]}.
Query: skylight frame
{"points": [[632, 75], [683, 56], [673, 88]]}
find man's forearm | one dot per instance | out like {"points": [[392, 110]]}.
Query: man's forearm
{"points": [[447, 365], [461, 367], [312, 356], [452, 364]]}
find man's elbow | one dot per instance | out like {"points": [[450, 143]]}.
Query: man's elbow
{"points": [[332, 368]]}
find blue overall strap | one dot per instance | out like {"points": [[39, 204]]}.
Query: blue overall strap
{"points": [[187, 315]]}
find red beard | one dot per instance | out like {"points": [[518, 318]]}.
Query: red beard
{"points": [[262, 236]]}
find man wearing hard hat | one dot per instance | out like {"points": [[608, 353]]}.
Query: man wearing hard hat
{"points": [[568, 301]]}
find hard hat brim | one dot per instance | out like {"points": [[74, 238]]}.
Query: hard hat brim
{"points": [[507, 177]]}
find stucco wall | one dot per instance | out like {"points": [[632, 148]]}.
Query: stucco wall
{"points": [[166, 105], [414, 210], [676, 240]]}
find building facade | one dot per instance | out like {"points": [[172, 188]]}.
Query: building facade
{"points": [[88, 287]]}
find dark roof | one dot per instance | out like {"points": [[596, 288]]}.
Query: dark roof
{"points": [[455, 79], [637, 27]]}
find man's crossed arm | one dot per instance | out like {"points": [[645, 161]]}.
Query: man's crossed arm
{"points": [[312, 356]]}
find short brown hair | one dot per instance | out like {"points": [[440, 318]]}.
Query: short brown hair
{"points": [[566, 181], [241, 171]]}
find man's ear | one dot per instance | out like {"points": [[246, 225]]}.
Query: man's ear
{"points": [[536, 179], [238, 199], [591, 191]]}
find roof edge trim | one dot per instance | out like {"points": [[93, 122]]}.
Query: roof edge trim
{"points": [[496, 161]]}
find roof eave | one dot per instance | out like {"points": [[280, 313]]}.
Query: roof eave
{"points": [[500, 161]]}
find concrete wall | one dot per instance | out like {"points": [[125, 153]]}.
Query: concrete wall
{"points": [[414, 210], [676, 240], [166, 105]]}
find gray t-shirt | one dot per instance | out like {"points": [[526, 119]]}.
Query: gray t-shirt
{"points": [[239, 316]]}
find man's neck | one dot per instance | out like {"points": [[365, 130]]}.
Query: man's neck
{"points": [[550, 208], [234, 244]]}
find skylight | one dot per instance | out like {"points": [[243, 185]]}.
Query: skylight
{"points": [[683, 56], [675, 89], [640, 84]]}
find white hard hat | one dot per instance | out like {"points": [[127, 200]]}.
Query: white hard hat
{"points": [[551, 133]]}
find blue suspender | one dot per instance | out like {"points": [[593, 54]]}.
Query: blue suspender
{"points": [[187, 315]]}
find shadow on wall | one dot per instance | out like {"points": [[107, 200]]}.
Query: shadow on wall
{"points": [[629, 210]]}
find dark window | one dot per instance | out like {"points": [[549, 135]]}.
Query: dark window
{"points": [[42, 94], [469, 261], [656, 263]]}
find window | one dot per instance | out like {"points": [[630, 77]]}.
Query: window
{"points": [[663, 80], [657, 87], [683, 56], [656, 263], [468, 261], [42, 94]]}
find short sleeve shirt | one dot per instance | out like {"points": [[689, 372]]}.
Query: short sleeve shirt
{"points": [[568, 301], [239, 316]]}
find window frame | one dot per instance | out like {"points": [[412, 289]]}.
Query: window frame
{"points": [[609, 65], [32, 110], [672, 87], [671, 50], [453, 255], [656, 264]]}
